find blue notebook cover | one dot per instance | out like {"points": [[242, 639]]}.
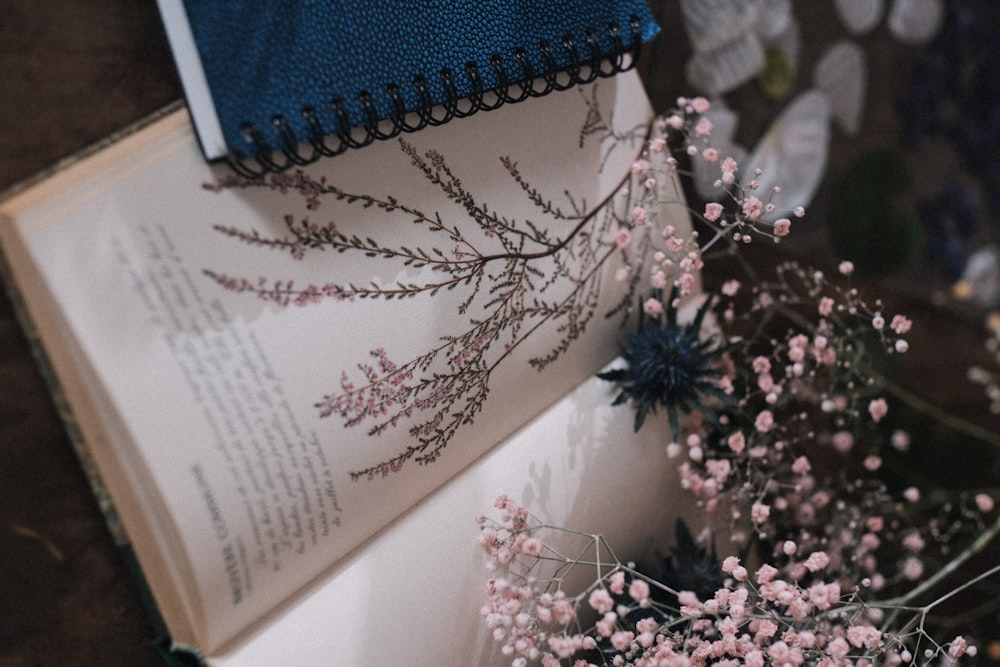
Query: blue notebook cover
{"points": [[294, 80]]}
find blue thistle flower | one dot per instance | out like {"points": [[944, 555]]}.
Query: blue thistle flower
{"points": [[670, 365]]}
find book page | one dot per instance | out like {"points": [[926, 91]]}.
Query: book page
{"points": [[413, 595], [297, 361]]}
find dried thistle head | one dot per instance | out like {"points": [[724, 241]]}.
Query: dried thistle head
{"points": [[670, 365]]}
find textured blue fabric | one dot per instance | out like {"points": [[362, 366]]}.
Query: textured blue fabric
{"points": [[265, 58]]}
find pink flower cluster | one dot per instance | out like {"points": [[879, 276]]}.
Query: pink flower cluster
{"points": [[782, 460], [766, 619], [676, 265], [753, 210], [680, 259], [385, 388], [530, 623], [791, 467]]}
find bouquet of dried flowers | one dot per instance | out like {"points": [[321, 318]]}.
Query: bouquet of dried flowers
{"points": [[807, 552]]}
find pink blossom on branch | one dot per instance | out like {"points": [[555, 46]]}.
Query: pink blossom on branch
{"points": [[878, 409], [713, 211]]}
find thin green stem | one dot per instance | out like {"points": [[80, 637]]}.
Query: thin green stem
{"points": [[978, 545], [911, 399], [942, 416], [971, 582]]}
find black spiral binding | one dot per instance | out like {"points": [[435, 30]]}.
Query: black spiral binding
{"points": [[291, 151]]}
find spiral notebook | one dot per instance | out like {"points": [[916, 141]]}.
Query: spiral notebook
{"points": [[278, 83]]}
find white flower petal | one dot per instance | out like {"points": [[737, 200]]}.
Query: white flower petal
{"points": [[792, 154], [773, 18], [727, 67], [789, 42], [842, 74], [711, 24], [860, 16], [916, 21]]}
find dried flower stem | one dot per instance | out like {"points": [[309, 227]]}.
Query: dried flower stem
{"points": [[943, 416], [977, 546]]}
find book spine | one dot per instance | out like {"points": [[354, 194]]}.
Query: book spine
{"points": [[285, 148]]}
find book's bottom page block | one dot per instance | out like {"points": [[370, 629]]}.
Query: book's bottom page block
{"points": [[412, 595]]}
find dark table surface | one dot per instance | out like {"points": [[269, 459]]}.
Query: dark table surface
{"points": [[72, 72]]}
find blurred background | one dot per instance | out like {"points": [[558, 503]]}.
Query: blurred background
{"points": [[901, 173]]}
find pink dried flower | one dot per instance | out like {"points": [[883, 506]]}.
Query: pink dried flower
{"points": [[638, 590], [958, 647], [764, 421], [823, 596], [900, 324], [984, 503], [729, 167], [801, 465], [766, 629], [864, 635], [782, 226], [766, 573], [913, 541], [872, 462], [700, 105], [686, 282], [601, 601], [690, 601], [532, 546], [838, 648], [817, 561], [623, 238], [713, 210], [760, 512], [878, 409], [900, 440], [639, 215], [616, 582], [606, 625], [621, 639], [761, 364], [913, 568], [752, 207]]}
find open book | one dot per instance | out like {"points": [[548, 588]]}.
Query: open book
{"points": [[300, 390]]}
